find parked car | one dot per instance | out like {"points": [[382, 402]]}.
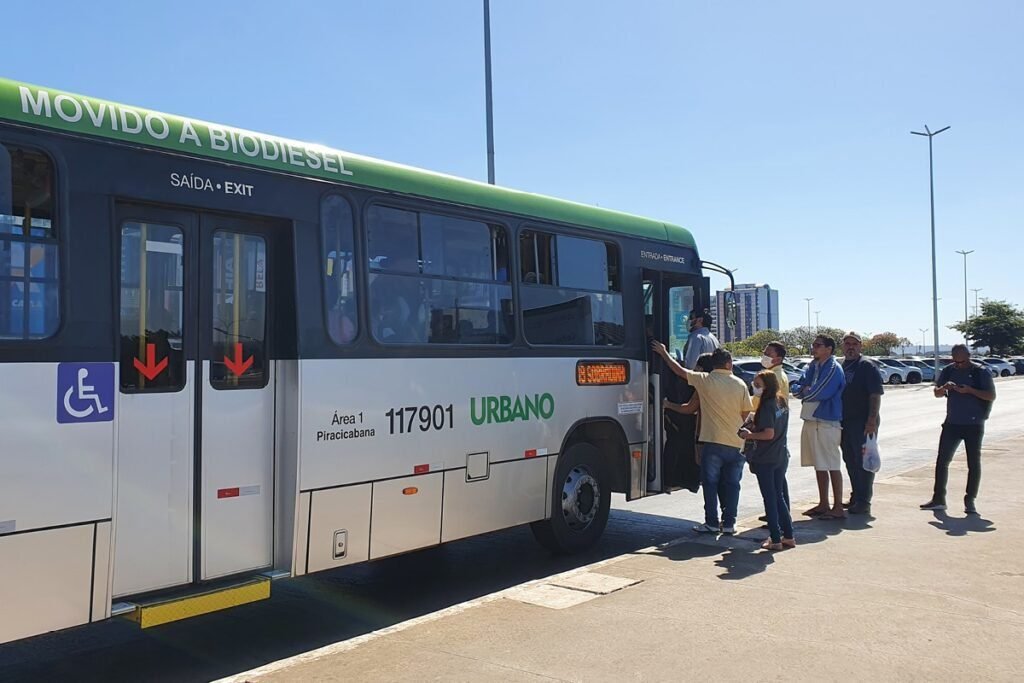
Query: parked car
{"points": [[927, 368], [904, 373], [1004, 367], [793, 373], [1018, 363], [890, 374], [747, 368]]}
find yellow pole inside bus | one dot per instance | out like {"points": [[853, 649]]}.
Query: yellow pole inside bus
{"points": [[143, 298]]}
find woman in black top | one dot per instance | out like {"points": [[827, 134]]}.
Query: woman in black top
{"points": [[768, 457]]}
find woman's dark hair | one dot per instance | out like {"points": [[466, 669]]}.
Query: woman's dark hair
{"points": [[770, 395]]}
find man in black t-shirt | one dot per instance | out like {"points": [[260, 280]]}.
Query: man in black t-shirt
{"points": [[969, 392], [861, 400]]}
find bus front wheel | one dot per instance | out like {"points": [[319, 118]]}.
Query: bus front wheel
{"points": [[581, 497]]}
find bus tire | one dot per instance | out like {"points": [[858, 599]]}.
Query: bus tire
{"points": [[580, 499]]}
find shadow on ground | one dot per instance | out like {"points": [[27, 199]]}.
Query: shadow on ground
{"points": [[317, 610], [961, 526], [742, 555]]}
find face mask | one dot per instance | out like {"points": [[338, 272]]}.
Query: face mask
{"points": [[767, 362], [758, 391]]}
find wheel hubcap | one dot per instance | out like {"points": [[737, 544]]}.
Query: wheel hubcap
{"points": [[581, 496]]}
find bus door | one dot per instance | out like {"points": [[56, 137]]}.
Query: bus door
{"points": [[195, 449], [668, 300]]}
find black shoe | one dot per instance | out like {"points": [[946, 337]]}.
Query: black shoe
{"points": [[860, 509], [969, 506], [763, 518], [934, 505]]}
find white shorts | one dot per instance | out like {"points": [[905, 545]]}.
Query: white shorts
{"points": [[819, 445]]}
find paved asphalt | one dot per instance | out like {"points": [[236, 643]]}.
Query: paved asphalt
{"points": [[334, 606]]}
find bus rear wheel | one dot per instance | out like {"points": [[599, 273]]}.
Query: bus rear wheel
{"points": [[581, 497]]}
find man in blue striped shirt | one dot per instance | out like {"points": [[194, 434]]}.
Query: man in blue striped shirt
{"points": [[822, 413]]}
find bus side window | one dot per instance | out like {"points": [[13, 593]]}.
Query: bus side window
{"points": [[437, 279], [339, 277], [29, 259], [582, 302]]}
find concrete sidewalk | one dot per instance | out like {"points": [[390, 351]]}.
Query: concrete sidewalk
{"points": [[909, 595]]}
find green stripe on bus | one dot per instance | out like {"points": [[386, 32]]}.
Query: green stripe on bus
{"points": [[59, 110]]}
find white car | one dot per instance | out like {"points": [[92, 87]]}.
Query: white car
{"points": [[1004, 367], [903, 373], [890, 374]]}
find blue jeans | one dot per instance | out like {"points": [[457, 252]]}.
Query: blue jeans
{"points": [[772, 482], [721, 468]]}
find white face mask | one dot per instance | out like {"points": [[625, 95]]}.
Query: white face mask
{"points": [[767, 362], [758, 391]]}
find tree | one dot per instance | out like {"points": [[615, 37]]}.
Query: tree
{"points": [[754, 344], [798, 340], [1000, 327], [883, 343]]}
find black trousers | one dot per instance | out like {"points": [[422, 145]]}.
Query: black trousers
{"points": [[949, 441], [862, 482]]}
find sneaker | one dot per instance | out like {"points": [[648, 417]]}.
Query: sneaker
{"points": [[706, 529], [934, 505], [860, 509], [969, 506], [729, 530]]}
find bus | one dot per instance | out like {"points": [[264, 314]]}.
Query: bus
{"points": [[228, 357]]}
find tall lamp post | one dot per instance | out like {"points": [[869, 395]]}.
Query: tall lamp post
{"points": [[965, 253], [809, 299], [487, 86], [976, 311], [923, 330], [935, 283]]}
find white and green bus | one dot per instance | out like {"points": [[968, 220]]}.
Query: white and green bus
{"points": [[227, 357]]}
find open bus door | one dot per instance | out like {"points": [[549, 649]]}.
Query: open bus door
{"points": [[668, 300]]}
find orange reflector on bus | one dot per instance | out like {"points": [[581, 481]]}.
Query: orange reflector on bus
{"points": [[601, 372], [410, 491], [638, 454]]}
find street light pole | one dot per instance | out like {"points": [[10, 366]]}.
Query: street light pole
{"points": [[976, 311], [809, 300], [923, 330], [965, 253], [487, 86], [935, 282]]}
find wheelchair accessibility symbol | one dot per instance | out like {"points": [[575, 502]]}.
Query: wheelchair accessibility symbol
{"points": [[85, 392]]}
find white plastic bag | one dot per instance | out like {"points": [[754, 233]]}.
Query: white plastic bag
{"points": [[872, 458]]}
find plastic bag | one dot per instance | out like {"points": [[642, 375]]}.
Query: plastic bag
{"points": [[872, 458]]}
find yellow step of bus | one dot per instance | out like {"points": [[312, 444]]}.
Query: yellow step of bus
{"points": [[164, 611]]}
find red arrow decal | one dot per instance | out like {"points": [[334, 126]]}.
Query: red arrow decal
{"points": [[238, 366], [151, 369]]}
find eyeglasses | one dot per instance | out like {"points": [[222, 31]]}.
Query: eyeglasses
{"points": [[817, 345]]}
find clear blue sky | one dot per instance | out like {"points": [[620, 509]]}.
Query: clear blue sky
{"points": [[777, 132]]}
